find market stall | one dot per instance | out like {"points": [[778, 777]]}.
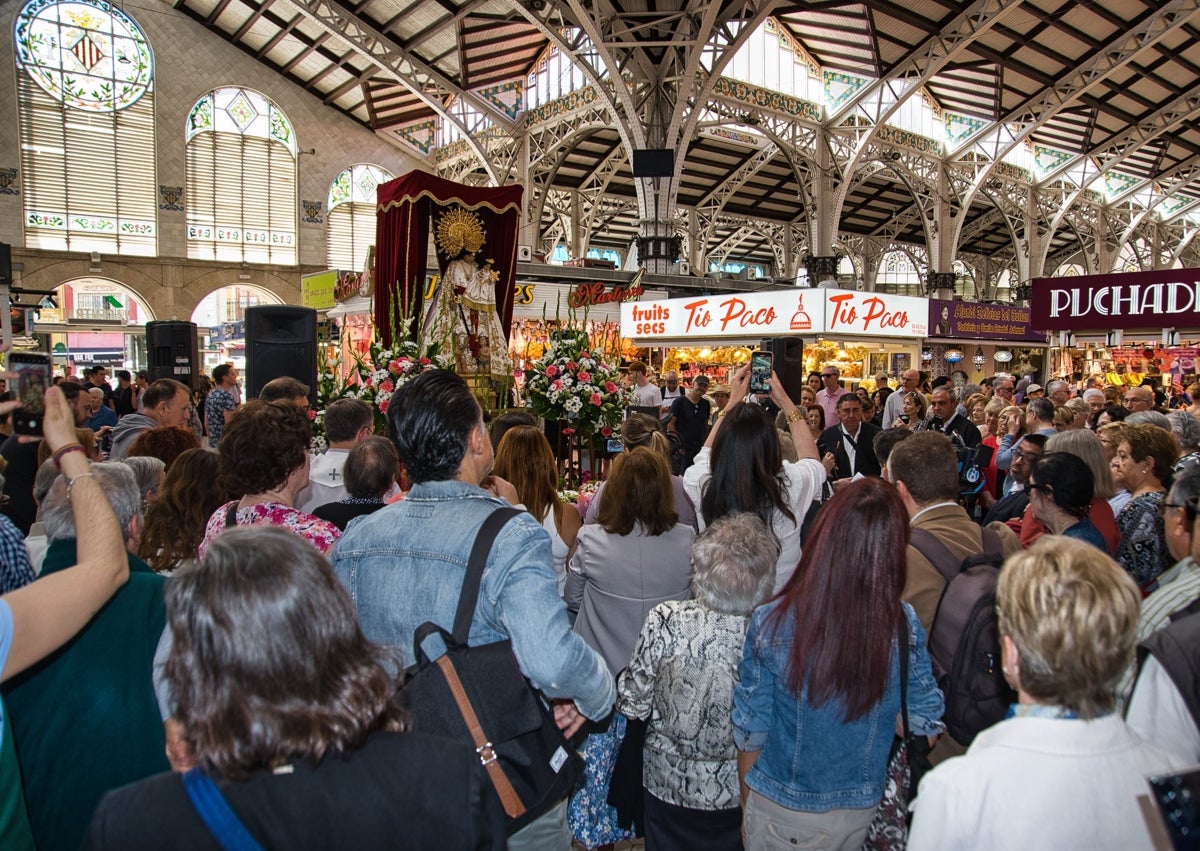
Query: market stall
{"points": [[978, 339], [1123, 328]]}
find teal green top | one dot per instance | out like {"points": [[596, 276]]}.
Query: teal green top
{"points": [[84, 719]]}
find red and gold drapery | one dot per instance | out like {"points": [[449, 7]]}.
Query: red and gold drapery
{"points": [[405, 208]]}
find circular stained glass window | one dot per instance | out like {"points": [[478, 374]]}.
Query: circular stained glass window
{"points": [[85, 53]]}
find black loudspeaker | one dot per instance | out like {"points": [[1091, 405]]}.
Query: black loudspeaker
{"points": [[281, 340], [5, 263], [654, 162], [173, 351], [789, 363]]}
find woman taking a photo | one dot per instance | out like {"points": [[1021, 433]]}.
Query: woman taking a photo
{"points": [[294, 717], [914, 407], [525, 460], [740, 468], [816, 705]]}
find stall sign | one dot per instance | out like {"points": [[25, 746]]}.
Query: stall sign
{"points": [[586, 295], [971, 320], [1176, 362], [351, 285], [1126, 300], [778, 313], [874, 314], [317, 289]]}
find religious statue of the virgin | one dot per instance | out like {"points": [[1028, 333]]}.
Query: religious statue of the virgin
{"points": [[463, 319]]}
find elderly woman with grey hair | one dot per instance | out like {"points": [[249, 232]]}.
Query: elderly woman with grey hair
{"points": [[1187, 429], [681, 678]]}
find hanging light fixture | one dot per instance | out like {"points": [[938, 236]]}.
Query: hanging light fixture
{"points": [[926, 355], [979, 359], [1002, 356], [954, 355]]}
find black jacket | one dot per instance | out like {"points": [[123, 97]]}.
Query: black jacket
{"points": [[400, 790], [865, 461]]}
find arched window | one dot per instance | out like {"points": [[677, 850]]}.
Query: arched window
{"points": [[85, 94], [352, 216], [241, 179]]}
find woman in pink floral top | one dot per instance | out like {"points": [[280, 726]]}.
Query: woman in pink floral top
{"points": [[264, 455]]}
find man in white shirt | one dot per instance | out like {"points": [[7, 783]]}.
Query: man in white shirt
{"points": [[646, 395], [347, 423]]}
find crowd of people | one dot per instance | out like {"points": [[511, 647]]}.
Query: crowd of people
{"points": [[195, 607]]}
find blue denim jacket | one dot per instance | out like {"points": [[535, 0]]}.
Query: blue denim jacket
{"points": [[811, 759], [404, 565]]}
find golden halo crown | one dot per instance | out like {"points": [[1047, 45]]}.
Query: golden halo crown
{"points": [[458, 230]]}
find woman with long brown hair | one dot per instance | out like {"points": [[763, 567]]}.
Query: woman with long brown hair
{"points": [[525, 460], [819, 691], [174, 524]]}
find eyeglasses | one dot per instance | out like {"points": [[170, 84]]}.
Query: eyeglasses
{"points": [[1048, 488], [1027, 457], [829, 375]]}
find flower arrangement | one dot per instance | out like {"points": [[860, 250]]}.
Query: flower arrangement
{"points": [[572, 381]]}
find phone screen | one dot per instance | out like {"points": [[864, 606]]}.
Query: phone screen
{"points": [[33, 377], [761, 364]]}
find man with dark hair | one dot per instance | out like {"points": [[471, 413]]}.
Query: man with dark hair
{"points": [[141, 380], [22, 462], [851, 441], [348, 422], [285, 389], [123, 401], [924, 469], [885, 441], [220, 403], [689, 420], [404, 565], [98, 377], [1014, 502], [370, 475], [166, 403]]}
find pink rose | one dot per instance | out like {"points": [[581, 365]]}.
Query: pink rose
{"points": [[425, 361], [571, 365], [387, 386], [396, 366], [584, 376], [595, 399], [568, 431], [312, 415], [518, 373], [606, 431], [556, 385], [609, 387], [551, 371], [383, 404]]}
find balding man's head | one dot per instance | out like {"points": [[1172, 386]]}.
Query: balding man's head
{"points": [[1139, 399]]}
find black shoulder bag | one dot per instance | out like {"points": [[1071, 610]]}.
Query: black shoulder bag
{"points": [[479, 695]]}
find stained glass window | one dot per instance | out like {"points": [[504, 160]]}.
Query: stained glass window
{"points": [[241, 179], [351, 226], [85, 91]]}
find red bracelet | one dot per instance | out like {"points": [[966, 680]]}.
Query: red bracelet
{"points": [[66, 450]]}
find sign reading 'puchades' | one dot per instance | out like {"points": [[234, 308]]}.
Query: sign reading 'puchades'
{"points": [[1168, 297], [779, 313]]}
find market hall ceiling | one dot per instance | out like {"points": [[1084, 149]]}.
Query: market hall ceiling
{"points": [[1116, 83]]}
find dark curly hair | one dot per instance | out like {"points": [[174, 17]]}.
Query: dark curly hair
{"points": [[175, 518], [262, 444], [268, 662], [165, 443]]}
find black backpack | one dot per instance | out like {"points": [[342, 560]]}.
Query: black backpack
{"points": [[964, 642]]}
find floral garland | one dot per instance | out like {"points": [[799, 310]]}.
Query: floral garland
{"points": [[571, 381], [374, 379]]}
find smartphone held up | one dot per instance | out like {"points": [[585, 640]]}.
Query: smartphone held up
{"points": [[761, 366], [33, 377]]}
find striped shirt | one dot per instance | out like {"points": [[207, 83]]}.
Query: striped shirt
{"points": [[1178, 586]]}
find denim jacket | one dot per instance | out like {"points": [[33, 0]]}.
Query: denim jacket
{"points": [[811, 759], [404, 565]]}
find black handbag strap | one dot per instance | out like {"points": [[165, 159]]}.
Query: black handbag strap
{"points": [[469, 595], [231, 516]]}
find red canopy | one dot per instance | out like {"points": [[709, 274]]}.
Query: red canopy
{"points": [[405, 206]]}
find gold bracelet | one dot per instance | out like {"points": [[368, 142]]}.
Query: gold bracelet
{"points": [[795, 415]]}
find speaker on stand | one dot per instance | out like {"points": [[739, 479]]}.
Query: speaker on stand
{"points": [[173, 351], [281, 340], [789, 363]]}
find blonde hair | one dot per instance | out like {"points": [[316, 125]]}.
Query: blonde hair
{"points": [[1086, 445], [1072, 613]]}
